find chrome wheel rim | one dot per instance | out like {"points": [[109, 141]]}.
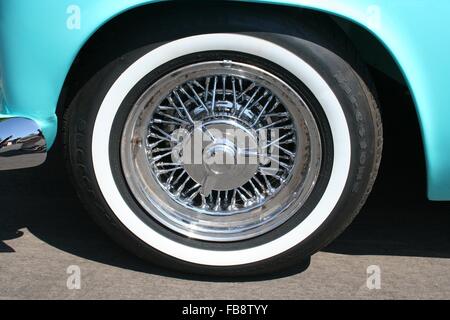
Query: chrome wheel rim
{"points": [[269, 177]]}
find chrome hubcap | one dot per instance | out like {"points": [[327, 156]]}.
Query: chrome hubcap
{"points": [[221, 151], [224, 164]]}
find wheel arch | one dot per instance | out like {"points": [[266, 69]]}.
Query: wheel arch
{"points": [[370, 45]]}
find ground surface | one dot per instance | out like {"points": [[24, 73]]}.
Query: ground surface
{"points": [[44, 230]]}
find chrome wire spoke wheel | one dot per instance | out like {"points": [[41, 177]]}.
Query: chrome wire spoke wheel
{"points": [[225, 150]]}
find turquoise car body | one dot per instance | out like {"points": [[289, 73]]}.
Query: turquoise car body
{"points": [[37, 50]]}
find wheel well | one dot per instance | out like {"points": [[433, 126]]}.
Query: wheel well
{"points": [[116, 38]]}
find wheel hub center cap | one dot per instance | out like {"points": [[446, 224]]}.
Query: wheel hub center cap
{"points": [[229, 156]]}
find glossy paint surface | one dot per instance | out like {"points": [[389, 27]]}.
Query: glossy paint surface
{"points": [[39, 41]]}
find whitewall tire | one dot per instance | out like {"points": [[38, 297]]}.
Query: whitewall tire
{"points": [[336, 97]]}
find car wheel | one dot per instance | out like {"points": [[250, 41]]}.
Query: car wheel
{"points": [[316, 161]]}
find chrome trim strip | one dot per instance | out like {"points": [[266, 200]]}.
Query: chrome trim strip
{"points": [[22, 144]]}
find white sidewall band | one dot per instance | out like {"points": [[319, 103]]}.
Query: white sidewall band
{"points": [[229, 42]]}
